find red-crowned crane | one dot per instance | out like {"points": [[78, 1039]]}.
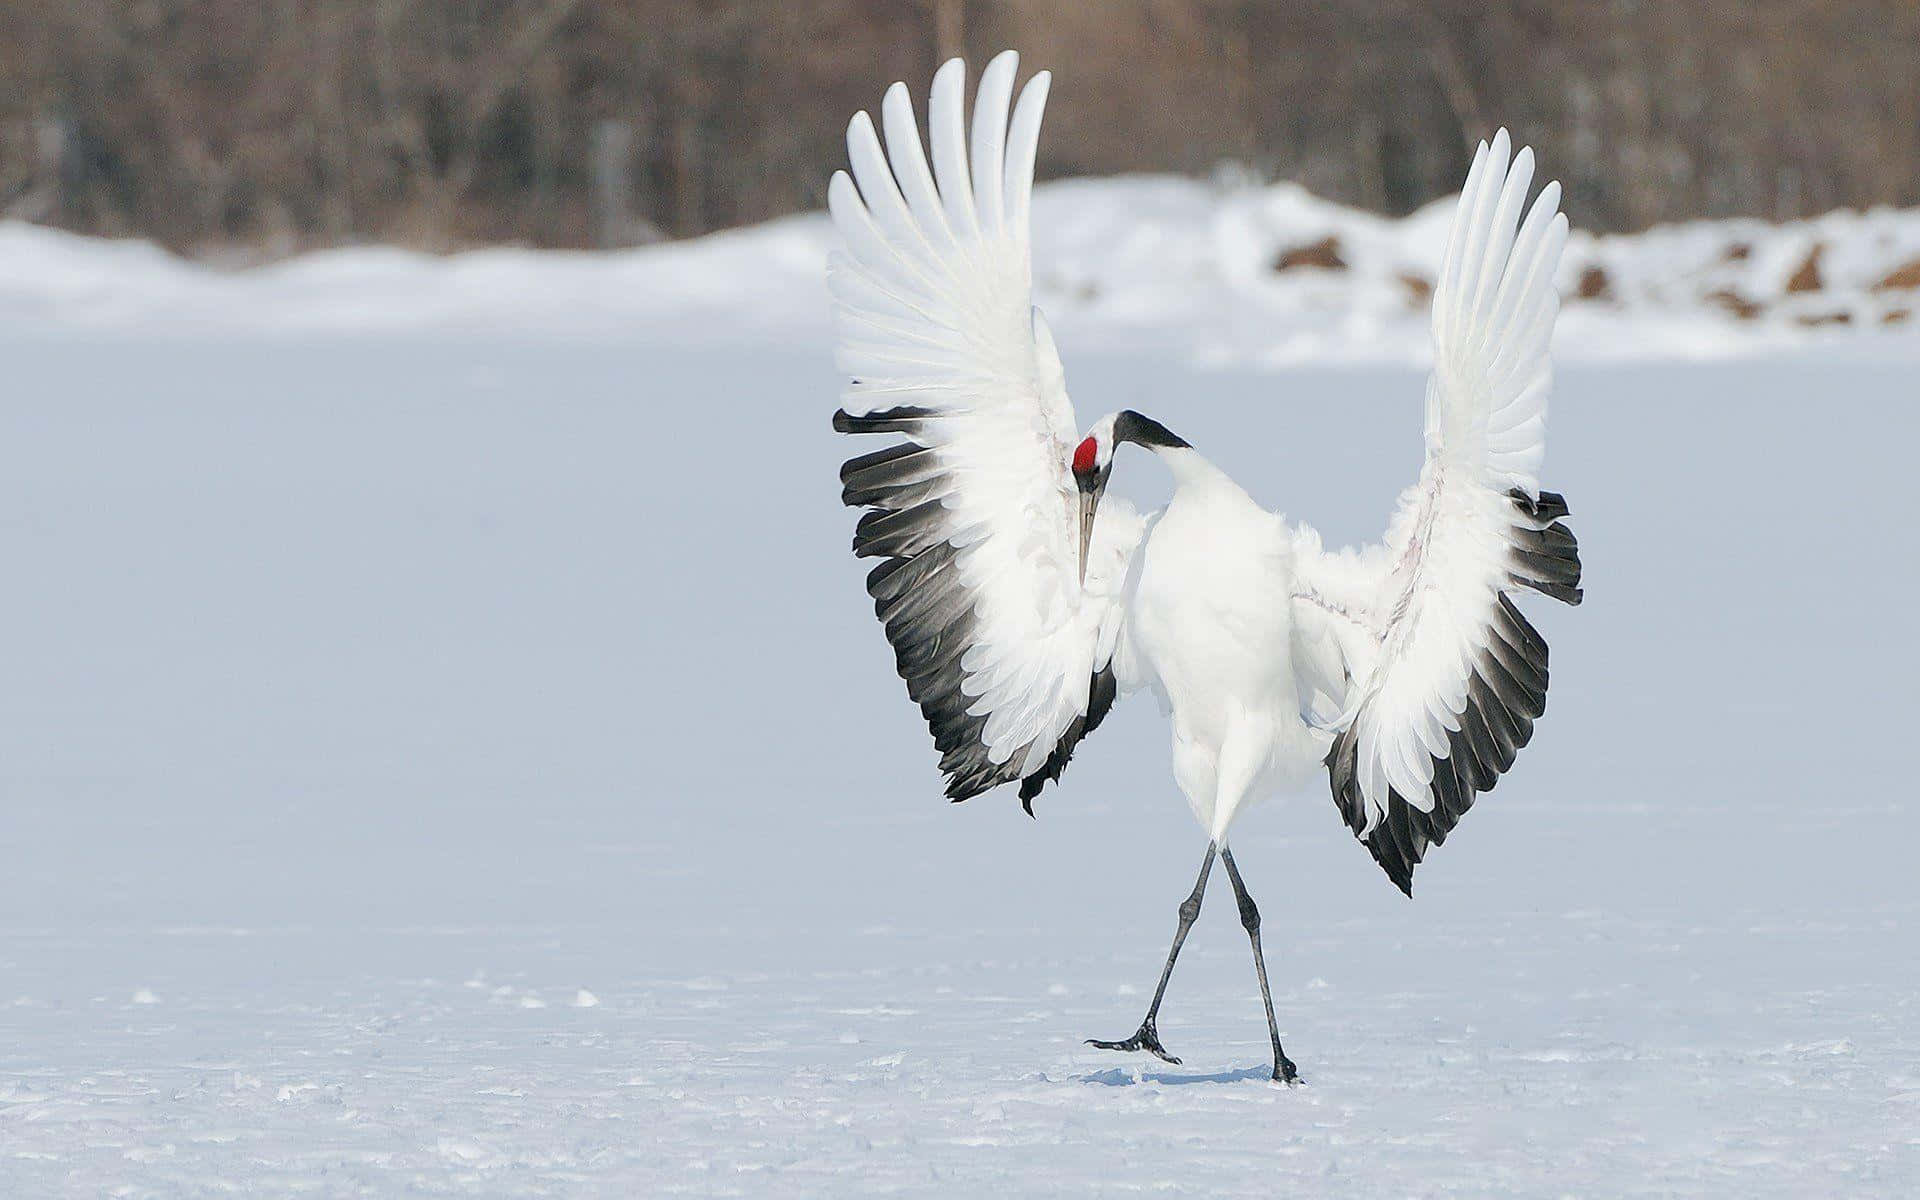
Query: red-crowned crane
{"points": [[1019, 605]]}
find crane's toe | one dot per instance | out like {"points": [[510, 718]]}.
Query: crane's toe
{"points": [[1285, 1072], [1146, 1038]]}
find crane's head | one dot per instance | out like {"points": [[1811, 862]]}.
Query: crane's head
{"points": [[1093, 463]]}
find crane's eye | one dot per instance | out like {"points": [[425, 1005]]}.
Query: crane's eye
{"points": [[1085, 455]]}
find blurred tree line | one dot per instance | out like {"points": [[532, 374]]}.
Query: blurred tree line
{"points": [[280, 124]]}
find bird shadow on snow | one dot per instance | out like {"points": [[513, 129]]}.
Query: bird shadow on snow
{"points": [[1123, 1077]]}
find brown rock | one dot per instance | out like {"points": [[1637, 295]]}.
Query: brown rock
{"points": [[1419, 288], [1734, 303], [1324, 254], [1807, 277], [1738, 252], [1594, 285], [1907, 276], [1896, 316], [1833, 318]]}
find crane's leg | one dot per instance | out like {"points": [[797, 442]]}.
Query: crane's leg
{"points": [[1148, 1037], [1283, 1069]]}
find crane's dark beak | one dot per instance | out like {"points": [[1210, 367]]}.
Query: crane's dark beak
{"points": [[1089, 503]]}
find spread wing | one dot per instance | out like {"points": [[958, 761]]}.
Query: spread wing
{"points": [[973, 513], [1421, 664]]}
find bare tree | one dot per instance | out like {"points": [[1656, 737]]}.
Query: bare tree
{"points": [[276, 124]]}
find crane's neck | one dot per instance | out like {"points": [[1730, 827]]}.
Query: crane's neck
{"points": [[1183, 460], [1189, 467]]}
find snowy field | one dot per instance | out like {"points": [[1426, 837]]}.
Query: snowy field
{"points": [[1217, 274], [464, 762]]}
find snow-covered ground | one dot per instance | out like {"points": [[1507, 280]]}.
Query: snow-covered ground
{"points": [[452, 755]]}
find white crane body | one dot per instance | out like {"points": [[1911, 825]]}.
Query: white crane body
{"points": [[1207, 637]]}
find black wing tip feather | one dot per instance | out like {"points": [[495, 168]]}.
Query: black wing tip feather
{"points": [[907, 419], [926, 610], [1548, 558], [1100, 696], [1389, 843], [1506, 693]]}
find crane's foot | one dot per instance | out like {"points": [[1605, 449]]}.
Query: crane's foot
{"points": [[1147, 1038], [1285, 1072]]}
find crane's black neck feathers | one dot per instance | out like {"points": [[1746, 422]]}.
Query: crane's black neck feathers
{"points": [[1130, 426]]}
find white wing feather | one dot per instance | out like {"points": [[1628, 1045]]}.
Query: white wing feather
{"points": [[932, 296], [1411, 623]]}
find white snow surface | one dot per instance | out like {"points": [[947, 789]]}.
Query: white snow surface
{"points": [[445, 749], [1181, 266]]}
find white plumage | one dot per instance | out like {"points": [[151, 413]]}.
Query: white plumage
{"points": [[933, 294], [1404, 668]]}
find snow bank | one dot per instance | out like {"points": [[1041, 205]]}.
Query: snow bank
{"points": [[1220, 274]]}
